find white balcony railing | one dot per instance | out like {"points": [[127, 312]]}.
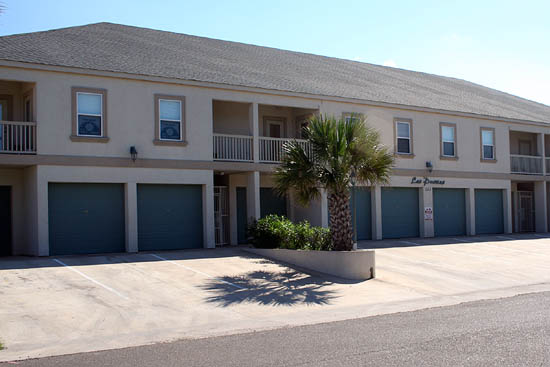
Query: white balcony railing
{"points": [[526, 164], [271, 149], [233, 148], [17, 137]]}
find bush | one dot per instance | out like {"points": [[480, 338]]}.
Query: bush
{"points": [[276, 231]]}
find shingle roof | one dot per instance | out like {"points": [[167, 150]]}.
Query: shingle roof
{"points": [[120, 48]]}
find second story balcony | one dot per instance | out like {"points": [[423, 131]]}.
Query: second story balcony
{"points": [[526, 153], [17, 129], [233, 131]]}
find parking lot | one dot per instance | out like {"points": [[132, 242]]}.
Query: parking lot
{"points": [[59, 305]]}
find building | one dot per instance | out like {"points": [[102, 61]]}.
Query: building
{"points": [[116, 138]]}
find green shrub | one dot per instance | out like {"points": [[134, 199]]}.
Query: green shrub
{"points": [[276, 231]]}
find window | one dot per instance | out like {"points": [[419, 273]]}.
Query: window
{"points": [[351, 116], [488, 143], [169, 120], [89, 108], [448, 140], [403, 137], [89, 114]]}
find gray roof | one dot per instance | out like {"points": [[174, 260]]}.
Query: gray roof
{"points": [[120, 48]]}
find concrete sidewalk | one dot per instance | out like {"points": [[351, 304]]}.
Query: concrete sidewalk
{"points": [[74, 304]]}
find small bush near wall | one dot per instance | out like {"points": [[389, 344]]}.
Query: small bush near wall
{"points": [[276, 231]]}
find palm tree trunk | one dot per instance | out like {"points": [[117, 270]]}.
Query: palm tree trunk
{"points": [[340, 220]]}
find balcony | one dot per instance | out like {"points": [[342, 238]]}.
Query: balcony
{"points": [[17, 137], [239, 148], [526, 164]]}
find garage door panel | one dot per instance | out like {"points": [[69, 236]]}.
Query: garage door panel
{"points": [[363, 211], [86, 218], [489, 211], [449, 212], [400, 210], [169, 217]]}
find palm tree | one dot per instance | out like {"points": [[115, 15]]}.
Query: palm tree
{"points": [[340, 150]]}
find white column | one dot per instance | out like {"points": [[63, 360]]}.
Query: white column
{"points": [[541, 151], [208, 214], [541, 222], [42, 213], [253, 195], [253, 116], [426, 200], [130, 191], [324, 208], [376, 212], [470, 212]]}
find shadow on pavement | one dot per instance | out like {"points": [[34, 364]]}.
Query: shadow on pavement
{"points": [[276, 288]]}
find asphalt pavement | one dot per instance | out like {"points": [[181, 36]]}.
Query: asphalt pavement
{"points": [[501, 332]]}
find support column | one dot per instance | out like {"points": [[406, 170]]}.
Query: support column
{"points": [[253, 116], [43, 215], [470, 212], [541, 151], [376, 212], [507, 203], [253, 195], [426, 200], [541, 222], [324, 208], [130, 191]]}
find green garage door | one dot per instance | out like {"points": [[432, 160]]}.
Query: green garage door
{"points": [[449, 212], [489, 211], [169, 217], [86, 218], [400, 212], [271, 203], [363, 211]]}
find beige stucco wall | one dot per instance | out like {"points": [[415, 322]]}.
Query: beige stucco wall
{"points": [[231, 118]]}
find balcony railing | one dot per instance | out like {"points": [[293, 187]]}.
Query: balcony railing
{"points": [[271, 149], [233, 148], [526, 164], [17, 137]]}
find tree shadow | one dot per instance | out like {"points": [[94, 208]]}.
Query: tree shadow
{"points": [[275, 288]]}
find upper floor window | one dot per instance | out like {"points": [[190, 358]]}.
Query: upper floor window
{"points": [[488, 143], [351, 116], [169, 119], [403, 133], [89, 114], [448, 140]]}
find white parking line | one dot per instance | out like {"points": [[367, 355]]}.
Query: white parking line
{"points": [[505, 238], [198, 272], [462, 240], [90, 279]]}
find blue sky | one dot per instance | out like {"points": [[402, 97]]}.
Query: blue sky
{"points": [[500, 44]]}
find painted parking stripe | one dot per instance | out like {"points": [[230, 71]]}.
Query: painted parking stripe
{"points": [[462, 240], [91, 279], [197, 271], [505, 238]]}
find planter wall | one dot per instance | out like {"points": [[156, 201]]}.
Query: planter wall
{"points": [[356, 265]]}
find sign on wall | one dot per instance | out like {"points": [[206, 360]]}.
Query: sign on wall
{"points": [[427, 181], [428, 213]]}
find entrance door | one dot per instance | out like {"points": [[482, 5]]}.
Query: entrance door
{"points": [[5, 220], [526, 211], [242, 218]]}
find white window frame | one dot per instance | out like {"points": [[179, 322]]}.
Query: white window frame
{"points": [[443, 141], [397, 137], [161, 119], [89, 114], [487, 145]]}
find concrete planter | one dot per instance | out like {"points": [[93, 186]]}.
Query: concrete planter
{"points": [[355, 265]]}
